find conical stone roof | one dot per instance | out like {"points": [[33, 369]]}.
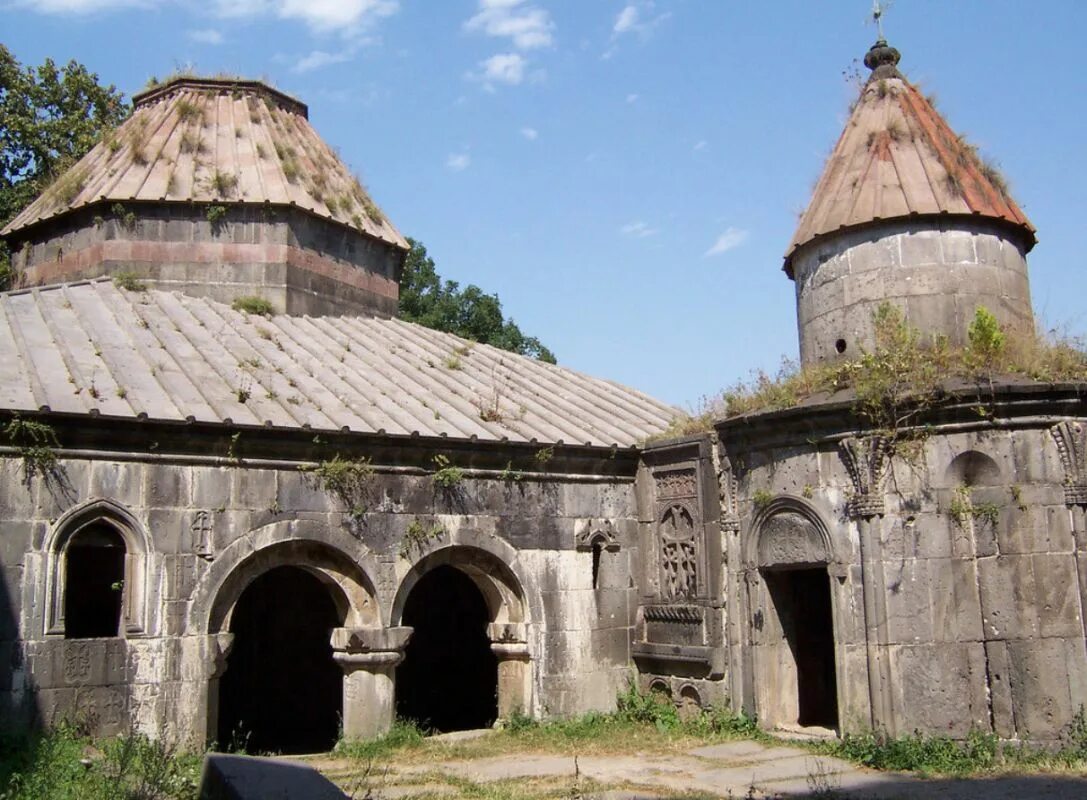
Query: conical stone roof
{"points": [[215, 141], [897, 157]]}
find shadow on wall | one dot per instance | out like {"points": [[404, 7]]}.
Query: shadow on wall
{"points": [[18, 706], [1036, 787]]}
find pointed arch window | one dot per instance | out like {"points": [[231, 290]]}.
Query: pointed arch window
{"points": [[97, 561]]}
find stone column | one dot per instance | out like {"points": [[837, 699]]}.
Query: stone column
{"points": [[866, 459], [368, 657], [509, 643], [1071, 438], [191, 693]]}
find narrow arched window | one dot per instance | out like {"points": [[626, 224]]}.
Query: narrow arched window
{"points": [[94, 582]]}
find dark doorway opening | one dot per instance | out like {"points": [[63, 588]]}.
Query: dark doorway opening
{"points": [[448, 680], [94, 579], [802, 600], [282, 692]]}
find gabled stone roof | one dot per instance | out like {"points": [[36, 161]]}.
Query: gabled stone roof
{"points": [[215, 141], [92, 348], [897, 157]]}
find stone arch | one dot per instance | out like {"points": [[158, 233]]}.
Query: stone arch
{"points": [[660, 686], [137, 544], [334, 557], [790, 531], [972, 468], [689, 703], [490, 566]]}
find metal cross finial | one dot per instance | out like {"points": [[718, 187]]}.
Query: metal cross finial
{"points": [[878, 10]]}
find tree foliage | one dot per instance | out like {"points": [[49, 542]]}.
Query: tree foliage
{"points": [[469, 312], [49, 118]]}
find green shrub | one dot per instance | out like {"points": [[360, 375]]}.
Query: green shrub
{"points": [[251, 304], [129, 281]]}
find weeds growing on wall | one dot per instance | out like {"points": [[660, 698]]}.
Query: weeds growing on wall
{"points": [[349, 481], [35, 442], [903, 375], [446, 474], [65, 765]]}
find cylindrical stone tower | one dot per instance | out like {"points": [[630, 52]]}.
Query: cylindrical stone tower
{"points": [[905, 212]]}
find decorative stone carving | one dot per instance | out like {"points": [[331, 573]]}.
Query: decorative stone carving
{"points": [[675, 483], [602, 532], [790, 538], [866, 458], [679, 558], [691, 615], [729, 490], [77, 662], [201, 530], [1071, 438]]}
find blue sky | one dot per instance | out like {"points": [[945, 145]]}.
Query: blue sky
{"points": [[625, 174]]}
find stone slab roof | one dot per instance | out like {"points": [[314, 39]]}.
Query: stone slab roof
{"points": [[897, 157], [93, 348], [215, 141]]}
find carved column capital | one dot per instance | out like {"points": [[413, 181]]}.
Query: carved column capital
{"points": [[1071, 438], [370, 649], [866, 458]]}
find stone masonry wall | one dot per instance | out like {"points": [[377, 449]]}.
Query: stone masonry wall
{"points": [[302, 264], [209, 529], [957, 577]]}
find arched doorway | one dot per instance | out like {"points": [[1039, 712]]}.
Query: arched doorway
{"points": [[448, 680], [793, 618], [282, 691]]}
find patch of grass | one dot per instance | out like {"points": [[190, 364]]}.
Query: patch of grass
{"points": [[251, 304], [68, 186], [403, 735], [129, 281], [187, 110], [51, 766], [224, 183]]}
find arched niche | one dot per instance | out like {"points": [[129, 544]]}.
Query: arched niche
{"points": [[114, 520], [972, 468], [789, 532]]}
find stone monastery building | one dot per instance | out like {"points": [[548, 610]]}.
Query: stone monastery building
{"points": [[217, 524]]}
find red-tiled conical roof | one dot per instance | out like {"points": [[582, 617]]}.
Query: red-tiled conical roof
{"points": [[215, 141], [897, 157]]}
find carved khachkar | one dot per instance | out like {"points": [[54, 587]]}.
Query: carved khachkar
{"points": [[679, 554], [866, 458], [201, 530]]}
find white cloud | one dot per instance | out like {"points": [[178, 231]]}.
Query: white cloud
{"points": [[80, 6], [458, 162], [701, 144], [530, 133], [636, 17], [320, 58], [638, 230], [507, 68], [627, 19], [206, 36], [323, 16], [526, 26], [632, 98], [730, 239]]}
